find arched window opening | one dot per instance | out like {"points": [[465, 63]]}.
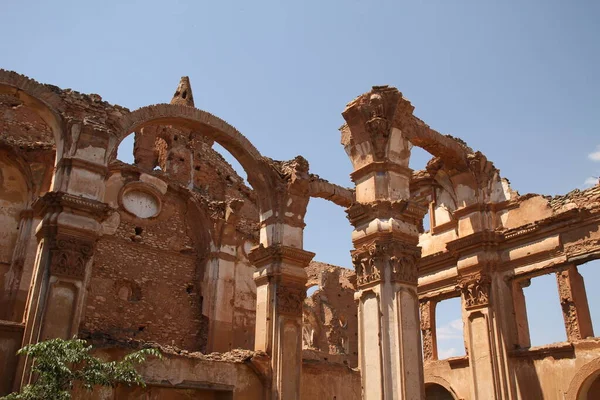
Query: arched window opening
{"points": [[426, 224], [311, 290], [234, 164], [125, 150], [418, 158], [544, 313], [449, 328]]}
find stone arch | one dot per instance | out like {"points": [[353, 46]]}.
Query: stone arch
{"points": [[431, 380], [338, 195], [260, 176], [41, 98], [583, 380]]}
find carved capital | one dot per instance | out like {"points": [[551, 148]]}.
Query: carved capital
{"points": [[371, 116], [371, 260], [69, 256], [290, 300], [475, 289]]}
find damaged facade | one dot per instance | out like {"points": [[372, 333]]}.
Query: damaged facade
{"points": [[175, 251]]}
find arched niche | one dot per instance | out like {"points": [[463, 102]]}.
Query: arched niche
{"points": [[39, 98], [437, 388], [15, 194], [585, 385], [260, 176]]}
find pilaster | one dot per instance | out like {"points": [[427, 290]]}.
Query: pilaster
{"points": [[280, 292], [428, 331], [486, 329], [66, 240]]}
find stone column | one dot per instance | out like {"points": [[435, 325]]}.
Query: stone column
{"points": [[389, 339], [428, 333], [385, 240], [573, 300], [280, 292]]}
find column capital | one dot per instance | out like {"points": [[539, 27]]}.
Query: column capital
{"points": [[370, 261], [69, 256], [476, 289]]}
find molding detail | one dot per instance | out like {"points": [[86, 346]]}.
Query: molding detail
{"points": [[260, 255]]}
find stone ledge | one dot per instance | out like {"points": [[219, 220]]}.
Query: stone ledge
{"points": [[555, 350], [11, 326]]}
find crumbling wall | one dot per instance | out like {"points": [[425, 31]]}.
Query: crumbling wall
{"points": [[181, 375], [146, 278], [22, 126], [323, 380], [330, 314]]}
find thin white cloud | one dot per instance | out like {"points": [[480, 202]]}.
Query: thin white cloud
{"points": [[591, 181], [447, 353], [451, 330], [595, 156]]}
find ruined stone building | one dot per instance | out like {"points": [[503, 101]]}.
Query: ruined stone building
{"points": [[176, 251]]}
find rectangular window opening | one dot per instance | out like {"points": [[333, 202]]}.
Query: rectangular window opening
{"points": [[449, 328], [544, 312]]}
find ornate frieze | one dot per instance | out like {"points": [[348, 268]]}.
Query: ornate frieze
{"points": [[69, 256], [475, 289]]}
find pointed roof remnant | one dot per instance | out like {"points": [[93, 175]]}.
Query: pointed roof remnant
{"points": [[183, 96]]}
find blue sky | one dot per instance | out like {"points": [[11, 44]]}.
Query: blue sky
{"points": [[517, 80]]}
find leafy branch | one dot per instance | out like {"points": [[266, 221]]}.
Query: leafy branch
{"points": [[59, 363]]}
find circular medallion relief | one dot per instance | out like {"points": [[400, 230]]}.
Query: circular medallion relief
{"points": [[140, 201]]}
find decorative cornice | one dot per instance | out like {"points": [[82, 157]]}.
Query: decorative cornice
{"points": [[261, 256], [361, 213], [60, 200], [380, 166], [482, 240]]}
